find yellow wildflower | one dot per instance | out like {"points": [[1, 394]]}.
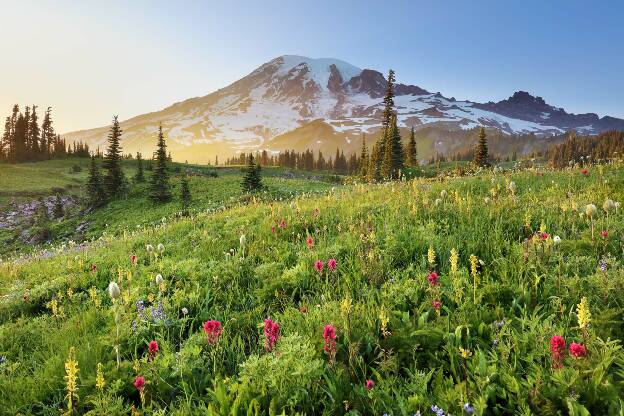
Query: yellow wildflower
{"points": [[583, 314], [527, 220], [473, 265], [465, 353], [346, 306], [431, 256], [454, 258], [383, 317], [99, 378], [71, 379]]}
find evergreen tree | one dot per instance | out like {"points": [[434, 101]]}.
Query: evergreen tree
{"points": [[252, 181], [58, 211], [392, 162], [375, 169], [27, 144], [95, 190], [185, 193], [7, 140], [364, 158], [140, 175], [160, 189], [388, 101], [481, 158], [411, 153], [374, 163], [47, 134], [19, 139], [114, 180], [34, 133]]}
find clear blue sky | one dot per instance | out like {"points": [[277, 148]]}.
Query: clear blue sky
{"points": [[90, 59]]}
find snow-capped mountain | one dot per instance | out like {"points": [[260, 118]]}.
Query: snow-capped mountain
{"points": [[295, 102]]}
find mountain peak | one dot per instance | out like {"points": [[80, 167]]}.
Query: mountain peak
{"points": [[318, 69]]}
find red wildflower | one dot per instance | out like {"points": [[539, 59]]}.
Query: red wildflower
{"points": [[133, 259], [152, 349], [557, 350], [578, 350], [436, 304], [543, 236], [273, 229], [584, 171], [303, 309], [310, 242], [139, 382], [369, 384], [604, 233], [271, 334], [332, 264], [318, 265], [282, 224], [433, 279], [213, 330], [329, 336], [94, 268]]}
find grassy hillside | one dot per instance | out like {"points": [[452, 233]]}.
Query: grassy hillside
{"points": [[23, 182], [514, 254]]}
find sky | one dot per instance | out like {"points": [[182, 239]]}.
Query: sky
{"points": [[90, 60]]}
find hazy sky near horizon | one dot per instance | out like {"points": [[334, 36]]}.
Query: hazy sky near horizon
{"points": [[90, 60]]}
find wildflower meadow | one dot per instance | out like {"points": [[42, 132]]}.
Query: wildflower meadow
{"points": [[495, 293]]}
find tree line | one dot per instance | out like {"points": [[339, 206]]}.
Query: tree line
{"points": [[587, 149], [25, 140], [387, 160]]}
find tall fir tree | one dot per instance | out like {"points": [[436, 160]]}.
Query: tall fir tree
{"points": [[19, 138], [252, 180], [140, 174], [95, 189], [14, 146], [47, 134], [160, 189], [375, 159], [364, 158], [411, 152], [378, 154], [27, 144], [185, 193], [114, 179], [393, 158], [481, 158], [7, 140], [34, 133], [388, 101]]}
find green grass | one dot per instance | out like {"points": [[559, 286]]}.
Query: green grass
{"points": [[379, 300], [27, 181]]}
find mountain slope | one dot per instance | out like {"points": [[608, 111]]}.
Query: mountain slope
{"points": [[291, 94]]}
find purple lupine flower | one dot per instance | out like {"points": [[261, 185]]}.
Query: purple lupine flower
{"points": [[499, 324], [140, 307], [158, 314], [468, 409], [603, 264], [438, 411]]}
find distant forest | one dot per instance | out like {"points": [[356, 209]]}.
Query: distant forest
{"points": [[25, 140], [587, 149]]}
